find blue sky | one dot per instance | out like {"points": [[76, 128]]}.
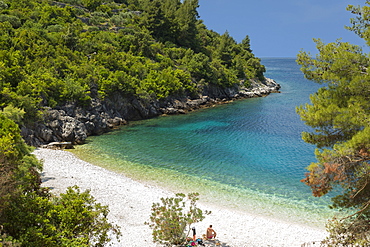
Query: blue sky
{"points": [[281, 28]]}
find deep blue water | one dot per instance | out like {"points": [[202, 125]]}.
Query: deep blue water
{"points": [[247, 155]]}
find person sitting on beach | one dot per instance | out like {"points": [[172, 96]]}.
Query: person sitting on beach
{"points": [[211, 233]]}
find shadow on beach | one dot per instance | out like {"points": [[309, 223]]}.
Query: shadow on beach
{"points": [[216, 243], [44, 178]]}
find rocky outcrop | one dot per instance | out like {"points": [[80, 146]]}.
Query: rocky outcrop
{"points": [[73, 123], [213, 95]]}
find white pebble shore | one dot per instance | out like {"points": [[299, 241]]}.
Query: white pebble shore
{"points": [[130, 206]]}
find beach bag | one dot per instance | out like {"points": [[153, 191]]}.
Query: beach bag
{"points": [[200, 242]]}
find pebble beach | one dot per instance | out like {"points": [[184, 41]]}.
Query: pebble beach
{"points": [[130, 204]]}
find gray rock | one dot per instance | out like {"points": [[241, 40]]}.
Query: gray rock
{"points": [[72, 123]]}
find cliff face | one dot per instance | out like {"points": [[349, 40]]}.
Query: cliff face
{"points": [[72, 123]]}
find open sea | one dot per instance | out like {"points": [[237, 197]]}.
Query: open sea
{"points": [[247, 155]]}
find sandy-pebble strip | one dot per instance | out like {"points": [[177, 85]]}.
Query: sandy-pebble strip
{"points": [[130, 206]]}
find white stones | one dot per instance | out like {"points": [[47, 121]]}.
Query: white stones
{"points": [[130, 206]]}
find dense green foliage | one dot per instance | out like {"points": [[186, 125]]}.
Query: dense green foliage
{"points": [[339, 114], [18, 169], [74, 50], [172, 218], [56, 52], [30, 215], [73, 219]]}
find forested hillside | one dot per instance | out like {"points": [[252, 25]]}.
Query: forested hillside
{"points": [[74, 51], [73, 68]]}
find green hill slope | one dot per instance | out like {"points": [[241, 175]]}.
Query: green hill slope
{"points": [[54, 54]]}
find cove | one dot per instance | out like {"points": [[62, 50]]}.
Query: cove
{"points": [[246, 155]]}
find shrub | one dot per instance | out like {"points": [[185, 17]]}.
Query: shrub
{"points": [[73, 219], [171, 221], [351, 231], [13, 113]]}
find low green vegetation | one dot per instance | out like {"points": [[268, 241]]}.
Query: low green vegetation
{"points": [[339, 113], [74, 51], [30, 215], [53, 52], [172, 218]]}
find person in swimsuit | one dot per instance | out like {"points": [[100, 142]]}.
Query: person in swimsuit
{"points": [[211, 233]]}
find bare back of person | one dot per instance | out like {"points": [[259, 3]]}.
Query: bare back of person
{"points": [[211, 233]]}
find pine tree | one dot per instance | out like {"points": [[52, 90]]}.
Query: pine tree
{"points": [[339, 113]]}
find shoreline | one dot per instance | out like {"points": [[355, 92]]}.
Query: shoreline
{"points": [[130, 204], [74, 123]]}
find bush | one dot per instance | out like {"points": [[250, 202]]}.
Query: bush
{"points": [[352, 231], [13, 113], [13, 20], [73, 219], [3, 5], [30, 216], [171, 221]]}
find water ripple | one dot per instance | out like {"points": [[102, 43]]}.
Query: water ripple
{"points": [[250, 149]]}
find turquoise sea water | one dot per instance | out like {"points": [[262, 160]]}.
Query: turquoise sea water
{"points": [[247, 155]]}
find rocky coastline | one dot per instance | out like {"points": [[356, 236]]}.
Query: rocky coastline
{"points": [[72, 123]]}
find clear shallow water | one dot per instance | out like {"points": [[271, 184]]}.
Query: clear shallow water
{"points": [[247, 155]]}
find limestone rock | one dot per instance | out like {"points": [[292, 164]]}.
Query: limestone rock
{"points": [[73, 123]]}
